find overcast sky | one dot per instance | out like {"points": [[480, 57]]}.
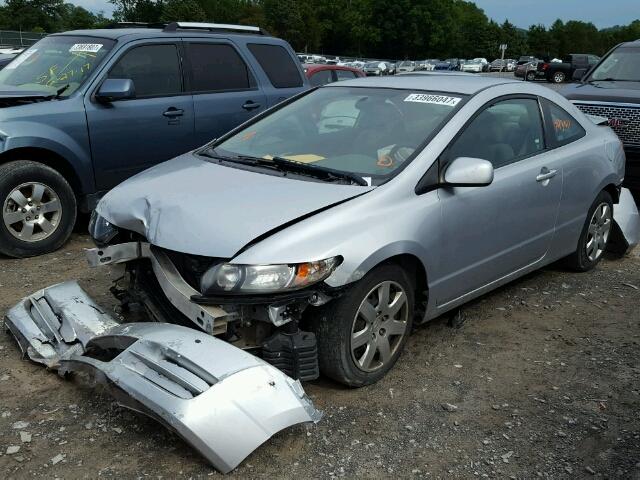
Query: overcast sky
{"points": [[603, 13]]}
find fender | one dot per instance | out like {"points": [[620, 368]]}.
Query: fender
{"points": [[70, 142]]}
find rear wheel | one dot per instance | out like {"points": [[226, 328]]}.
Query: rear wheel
{"points": [[38, 209], [558, 77], [531, 76], [361, 335], [595, 235]]}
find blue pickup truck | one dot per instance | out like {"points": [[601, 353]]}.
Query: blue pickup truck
{"points": [[82, 111]]}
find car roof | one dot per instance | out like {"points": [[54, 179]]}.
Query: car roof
{"points": [[463, 83], [141, 33]]}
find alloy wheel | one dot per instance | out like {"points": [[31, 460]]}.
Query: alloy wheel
{"points": [[558, 77], [598, 232], [379, 326], [32, 212]]}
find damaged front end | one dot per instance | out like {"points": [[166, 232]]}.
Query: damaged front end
{"points": [[162, 285], [222, 400]]}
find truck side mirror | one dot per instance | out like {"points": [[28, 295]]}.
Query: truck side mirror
{"points": [[578, 73], [113, 89]]}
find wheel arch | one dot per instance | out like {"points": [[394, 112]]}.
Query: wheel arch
{"points": [[46, 157], [614, 191]]}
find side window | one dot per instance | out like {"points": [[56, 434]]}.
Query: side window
{"points": [[154, 69], [593, 59], [503, 133], [216, 68], [321, 78], [345, 75], [580, 59], [277, 64], [562, 127]]}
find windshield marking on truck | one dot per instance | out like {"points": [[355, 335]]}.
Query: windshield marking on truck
{"points": [[434, 99]]}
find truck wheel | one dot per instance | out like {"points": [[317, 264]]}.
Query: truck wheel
{"points": [[558, 77], [38, 209], [361, 334]]}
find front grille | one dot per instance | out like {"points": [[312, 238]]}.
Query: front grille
{"points": [[625, 121]]}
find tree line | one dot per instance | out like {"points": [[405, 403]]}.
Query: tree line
{"points": [[415, 29]]}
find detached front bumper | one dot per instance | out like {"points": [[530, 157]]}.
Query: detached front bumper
{"points": [[222, 400]]}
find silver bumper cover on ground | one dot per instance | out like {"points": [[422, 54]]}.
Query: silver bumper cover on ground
{"points": [[222, 400]]}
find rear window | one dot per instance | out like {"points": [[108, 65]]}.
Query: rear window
{"points": [[564, 128], [277, 64], [217, 67]]}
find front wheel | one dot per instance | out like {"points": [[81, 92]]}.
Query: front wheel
{"points": [[558, 77], [595, 235], [38, 209], [531, 76], [361, 335]]}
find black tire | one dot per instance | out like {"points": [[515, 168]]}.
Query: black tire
{"points": [[531, 76], [333, 324], [558, 77], [579, 261], [16, 173]]}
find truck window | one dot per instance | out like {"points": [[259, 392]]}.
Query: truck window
{"points": [[277, 64], [154, 69], [562, 127], [217, 68]]}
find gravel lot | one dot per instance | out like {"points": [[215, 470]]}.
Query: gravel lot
{"points": [[541, 380]]}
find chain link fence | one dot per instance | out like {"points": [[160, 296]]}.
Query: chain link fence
{"points": [[15, 38]]}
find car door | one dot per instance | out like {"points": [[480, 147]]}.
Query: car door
{"points": [[225, 90], [128, 136], [490, 232]]}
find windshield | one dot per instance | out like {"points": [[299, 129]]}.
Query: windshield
{"points": [[370, 132], [623, 64], [53, 63]]}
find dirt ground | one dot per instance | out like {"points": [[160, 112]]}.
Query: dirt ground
{"points": [[543, 379]]}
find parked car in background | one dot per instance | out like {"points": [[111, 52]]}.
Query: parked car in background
{"points": [[122, 100], [526, 59], [559, 72], [529, 71], [611, 90], [498, 65], [5, 58], [391, 67], [376, 68], [405, 66], [474, 66], [484, 62], [323, 74], [511, 64]]}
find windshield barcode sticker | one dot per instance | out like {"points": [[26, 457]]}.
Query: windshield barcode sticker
{"points": [[435, 99], [21, 58], [86, 47]]}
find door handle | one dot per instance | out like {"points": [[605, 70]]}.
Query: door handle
{"points": [[251, 105], [173, 112], [546, 174]]}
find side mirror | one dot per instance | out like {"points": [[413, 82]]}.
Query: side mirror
{"points": [[113, 89], [468, 172], [578, 73]]}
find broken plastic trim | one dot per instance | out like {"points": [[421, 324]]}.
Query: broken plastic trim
{"points": [[56, 323], [221, 400]]}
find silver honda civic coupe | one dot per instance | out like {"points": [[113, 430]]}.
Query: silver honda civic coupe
{"points": [[317, 234]]}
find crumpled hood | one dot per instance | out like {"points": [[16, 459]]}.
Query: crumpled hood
{"points": [[619, 92], [191, 205]]}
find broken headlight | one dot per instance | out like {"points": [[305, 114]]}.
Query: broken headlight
{"points": [[101, 230], [232, 278]]}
